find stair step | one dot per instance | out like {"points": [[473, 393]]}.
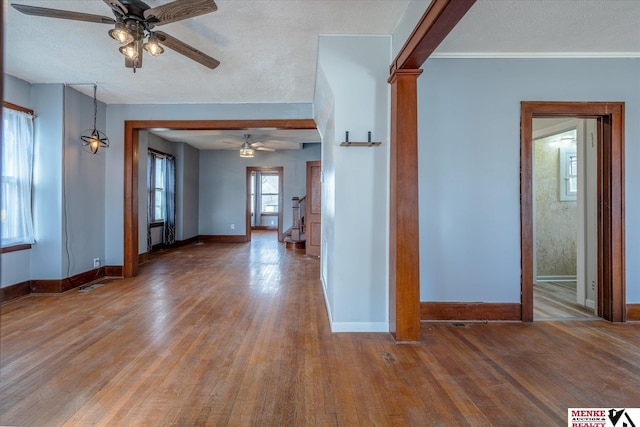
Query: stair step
{"points": [[294, 245], [302, 238]]}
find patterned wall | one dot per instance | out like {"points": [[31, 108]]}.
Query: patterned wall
{"points": [[556, 221]]}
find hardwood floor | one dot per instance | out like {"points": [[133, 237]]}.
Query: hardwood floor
{"points": [[557, 301], [237, 334]]}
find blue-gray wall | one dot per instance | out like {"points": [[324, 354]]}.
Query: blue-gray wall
{"points": [[352, 95], [68, 185], [83, 187], [469, 159], [223, 180], [188, 181]]}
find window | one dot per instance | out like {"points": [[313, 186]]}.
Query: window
{"points": [[156, 187], [269, 193], [17, 172], [568, 173]]}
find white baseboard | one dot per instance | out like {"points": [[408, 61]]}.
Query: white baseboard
{"points": [[326, 300], [359, 327], [352, 326], [590, 303]]}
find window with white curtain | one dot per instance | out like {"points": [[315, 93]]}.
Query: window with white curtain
{"points": [[17, 173], [156, 188]]}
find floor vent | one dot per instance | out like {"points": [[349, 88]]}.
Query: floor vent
{"points": [[90, 287]]}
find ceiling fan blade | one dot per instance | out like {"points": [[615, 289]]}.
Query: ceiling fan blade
{"points": [[117, 6], [179, 10], [186, 50], [62, 14], [264, 148], [257, 144]]}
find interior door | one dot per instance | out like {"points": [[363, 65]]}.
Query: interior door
{"points": [[313, 208]]}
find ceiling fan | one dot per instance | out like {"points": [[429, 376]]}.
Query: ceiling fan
{"points": [[247, 148], [135, 21]]}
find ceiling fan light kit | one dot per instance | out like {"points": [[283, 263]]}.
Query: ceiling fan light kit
{"points": [[152, 46], [130, 51], [134, 23], [120, 33], [246, 152]]}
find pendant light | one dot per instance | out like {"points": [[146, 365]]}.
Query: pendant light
{"points": [[93, 140]]}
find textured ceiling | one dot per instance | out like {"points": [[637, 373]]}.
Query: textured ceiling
{"points": [[268, 48], [233, 139], [555, 28]]}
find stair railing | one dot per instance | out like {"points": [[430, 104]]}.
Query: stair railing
{"points": [[299, 206]]}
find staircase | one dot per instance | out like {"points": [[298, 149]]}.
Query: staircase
{"points": [[294, 237]]}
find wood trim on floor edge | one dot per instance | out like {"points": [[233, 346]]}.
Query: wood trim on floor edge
{"points": [[17, 290], [57, 286], [470, 311], [633, 312], [113, 271], [234, 238]]}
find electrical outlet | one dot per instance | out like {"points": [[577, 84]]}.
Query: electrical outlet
{"points": [[233, 226], [273, 223], [96, 262]]}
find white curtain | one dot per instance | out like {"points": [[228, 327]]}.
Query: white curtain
{"points": [[17, 176]]}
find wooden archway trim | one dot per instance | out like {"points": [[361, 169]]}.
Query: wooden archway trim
{"points": [[435, 24], [131, 158], [611, 240]]}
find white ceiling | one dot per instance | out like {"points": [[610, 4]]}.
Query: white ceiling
{"points": [[268, 48], [276, 139], [547, 28]]}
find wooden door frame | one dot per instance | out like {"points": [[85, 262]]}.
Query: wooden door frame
{"points": [[309, 199], [132, 129], [280, 171], [610, 195]]}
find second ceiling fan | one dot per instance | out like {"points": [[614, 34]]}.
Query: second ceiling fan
{"points": [[247, 148], [135, 21]]}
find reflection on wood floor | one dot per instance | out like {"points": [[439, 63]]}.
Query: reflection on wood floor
{"points": [[557, 300], [237, 334]]}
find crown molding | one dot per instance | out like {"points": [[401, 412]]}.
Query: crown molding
{"points": [[534, 55]]}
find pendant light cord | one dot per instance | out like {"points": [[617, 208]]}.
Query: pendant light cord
{"points": [[95, 106]]}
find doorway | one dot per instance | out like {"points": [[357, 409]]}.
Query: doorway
{"points": [[565, 210], [264, 199], [609, 117], [132, 130]]}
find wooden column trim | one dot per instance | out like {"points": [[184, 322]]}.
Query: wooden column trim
{"points": [[404, 261], [131, 153], [404, 270]]}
